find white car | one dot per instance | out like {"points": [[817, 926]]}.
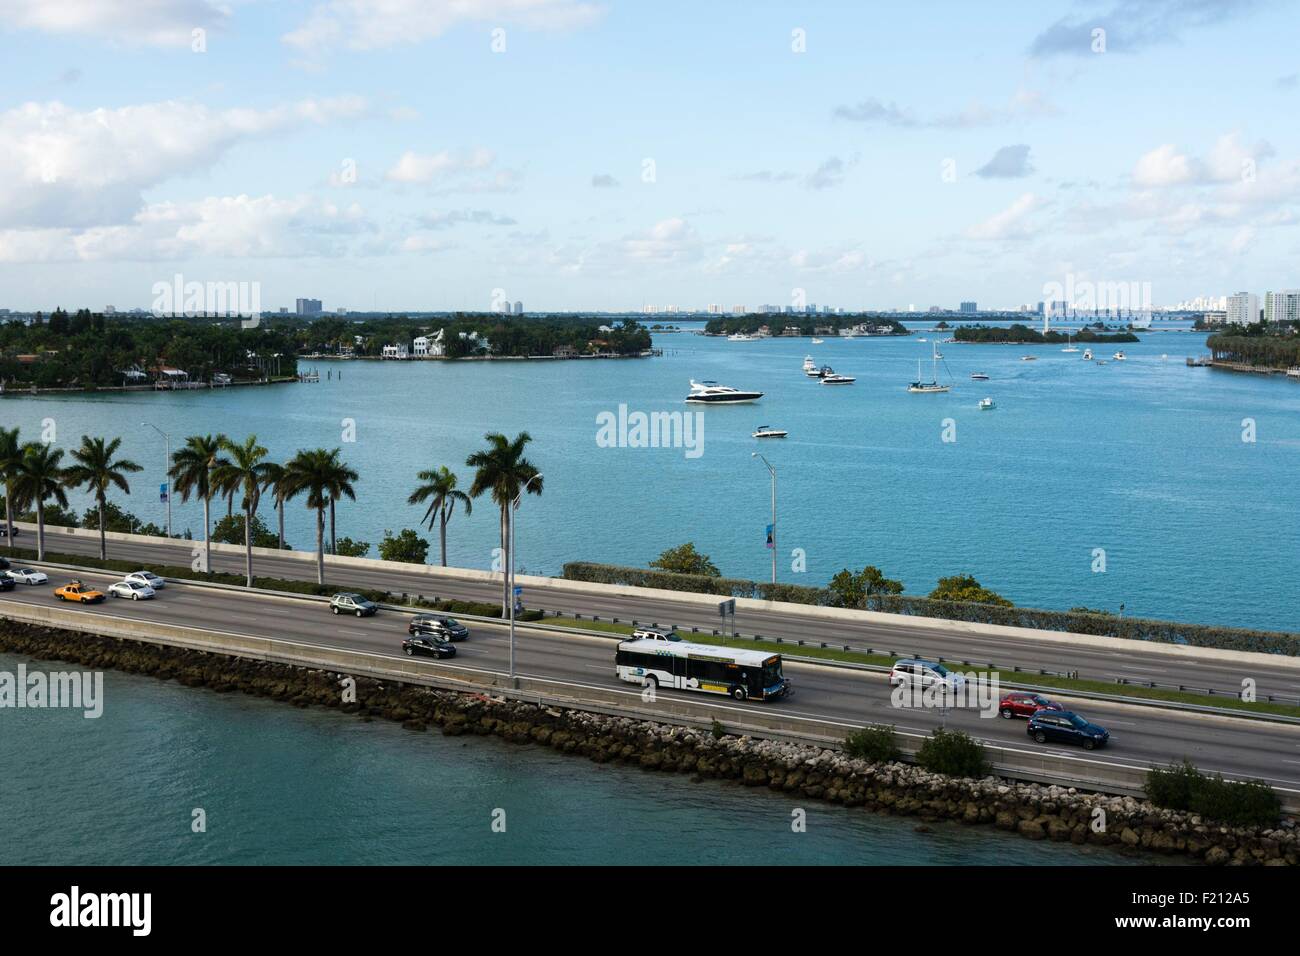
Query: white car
{"points": [[28, 576], [134, 590], [147, 578]]}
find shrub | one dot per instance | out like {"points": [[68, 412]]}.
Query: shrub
{"points": [[348, 548], [953, 753], [405, 546], [230, 530], [965, 589], [717, 730], [684, 559], [876, 744], [1252, 803]]}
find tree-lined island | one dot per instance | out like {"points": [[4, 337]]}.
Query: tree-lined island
{"points": [[1023, 334]]}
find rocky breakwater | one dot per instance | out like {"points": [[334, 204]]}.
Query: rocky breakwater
{"points": [[805, 772]]}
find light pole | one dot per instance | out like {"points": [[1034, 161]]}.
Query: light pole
{"points": [[510, 557], [167, 471], [772, 470]]}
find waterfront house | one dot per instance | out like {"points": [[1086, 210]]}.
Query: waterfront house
{"points": [[564, 352], [399, 352], [420, 347]]}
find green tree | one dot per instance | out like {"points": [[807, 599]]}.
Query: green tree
{"points": [[273, 481], [406, 546], [40, 478], [439, 489], [97, 469], [11, 456], [964, 589], [312, 473], [684, 559], [243, 471], [230, 530], [118, 519], [502, 470], [853, 589], [341, 477], [191, 472], [347, 548]]}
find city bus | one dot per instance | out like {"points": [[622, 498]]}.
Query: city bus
{"points": [[743, 674]]}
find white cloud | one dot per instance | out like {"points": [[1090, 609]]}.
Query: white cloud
{"points": [[374, 24], [415, 167], [1227, 162], [147, 22], [64, 167], [1014, 222]]}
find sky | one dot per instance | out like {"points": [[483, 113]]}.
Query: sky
{"points": [[425, 155]]}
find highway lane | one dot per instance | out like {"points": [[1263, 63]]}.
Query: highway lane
{"points": [[1134, 662], [1141, 736]]}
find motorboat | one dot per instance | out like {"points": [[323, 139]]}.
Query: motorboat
{"points": [[979, 377], [810, 367], [1029, 358], [818, 341], [767, 431], [920, 387], [741, 337], [711, 393], [986, 404], [1087, 355], [1119, 356], [834, 378]]}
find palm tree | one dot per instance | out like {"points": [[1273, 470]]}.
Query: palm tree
{"points": [[273, 481], [40, 476], [98, 470], [191, 473], [439, 489], [11, 454], [340, 485], [503, 470], [243, 471], [314, 473]]}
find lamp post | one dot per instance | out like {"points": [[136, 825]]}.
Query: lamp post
{"points": [[510, 570], [167, 471], [772, 471]]}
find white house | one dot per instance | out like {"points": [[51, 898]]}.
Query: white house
{"points": [[429, 346], [395, 352]]}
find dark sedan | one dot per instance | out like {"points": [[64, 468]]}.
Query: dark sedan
{"points": [[428, 647], [436, 625], [6, 583], [1064, 727]]}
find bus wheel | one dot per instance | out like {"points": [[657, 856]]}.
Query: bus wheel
{"points": [[738, 693]]}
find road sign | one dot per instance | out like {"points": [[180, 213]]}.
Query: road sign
{"points": [[727, 607], [518, 591], [162, 491], [770, 542]]}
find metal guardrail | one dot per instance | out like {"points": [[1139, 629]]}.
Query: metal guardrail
{"points": [[1208, 691], [814, 661]]}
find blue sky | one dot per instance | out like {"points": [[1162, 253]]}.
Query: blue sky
{"points": [[618, 154]]}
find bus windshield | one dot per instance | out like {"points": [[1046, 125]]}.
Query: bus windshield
{"points": [[772, 674]]}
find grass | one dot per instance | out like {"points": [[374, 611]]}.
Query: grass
{"points": [[1064, 684]]}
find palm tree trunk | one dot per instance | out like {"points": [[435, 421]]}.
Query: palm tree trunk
{"points": [[248, 544], [334, 543], [320, 545], [443, 535], [279, 507], [9, 515], [207, 536], [103, 541], [40, 529]]}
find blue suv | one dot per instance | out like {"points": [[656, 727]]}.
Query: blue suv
{"points": [[1064, 727]]}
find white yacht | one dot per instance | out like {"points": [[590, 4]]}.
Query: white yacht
{"points": [[810, 367], [740, 337], [979, 376], [818, 341], [711, 393], [831, 377], [986, 404], [1087, 355], [767, 431], [1069, 343], [933, 385], [1119, 356]]}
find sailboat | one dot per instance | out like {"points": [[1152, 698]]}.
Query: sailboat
{"points": [[1069, 344], [932, 385]]}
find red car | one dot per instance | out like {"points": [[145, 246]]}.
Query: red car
{"points": [[1024, 704]]}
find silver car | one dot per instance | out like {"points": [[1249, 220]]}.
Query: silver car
{"points": [[128, 588]]}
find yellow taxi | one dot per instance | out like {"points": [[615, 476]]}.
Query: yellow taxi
{"points": [[81, 593]]}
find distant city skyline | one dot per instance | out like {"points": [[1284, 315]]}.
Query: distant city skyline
{"points": [[610, 156]]}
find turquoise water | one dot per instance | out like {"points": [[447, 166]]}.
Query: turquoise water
{"points": [[1142, 459], [281, 785]]}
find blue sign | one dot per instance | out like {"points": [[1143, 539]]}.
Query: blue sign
{"points": [[518, 591], [162, 491], [770, 529]]}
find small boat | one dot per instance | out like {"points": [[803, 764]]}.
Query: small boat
{"points": [[740, 337], [1118, 356], [979, 377], [711, 393], [1069, 343], [1087, 355], [835, 378], [924, 388], [986, 404], [1029, 358], [818, 341], [1101, 361], [810, 367], [767, 431], [920, 340]]}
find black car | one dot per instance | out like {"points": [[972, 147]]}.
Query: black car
{"points": [[4, 531], [1064, 727], [429, 646], [4, 564], [6, 582], [436, 625]]}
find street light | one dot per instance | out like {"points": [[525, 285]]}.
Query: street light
{"points": [[510, 570], [772, 470], [167, 462]]}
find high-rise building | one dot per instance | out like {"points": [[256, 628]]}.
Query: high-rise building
{"points": [[307, 306], [968, 307], [1243, 308], [519, 307], [1282, 306]]}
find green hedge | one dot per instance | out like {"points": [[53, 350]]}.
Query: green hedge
{"points": [[876, 744], [953, 754], [1183, 787], [1075, 622]]}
